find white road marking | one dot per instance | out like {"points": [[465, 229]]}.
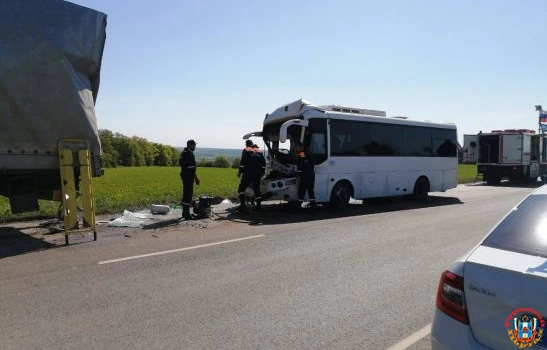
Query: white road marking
{"points": [[177, 250], [412, 339]]}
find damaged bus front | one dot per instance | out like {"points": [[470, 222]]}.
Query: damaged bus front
{"points": [[283, 129], [358, 153]]}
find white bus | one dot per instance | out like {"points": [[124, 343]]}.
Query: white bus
{"points": [[358, 153]]}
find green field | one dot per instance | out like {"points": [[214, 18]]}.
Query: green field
{"points": [[467, 173], [136, 188]]}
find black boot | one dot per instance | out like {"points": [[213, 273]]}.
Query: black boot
{"points": [[186, 212], [242, 206]]}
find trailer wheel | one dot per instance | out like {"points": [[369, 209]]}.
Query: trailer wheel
{"points": [[421, 189], [493, 180], [341, 194]]}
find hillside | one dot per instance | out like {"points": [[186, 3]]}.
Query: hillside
{"points": [[212, 153]]}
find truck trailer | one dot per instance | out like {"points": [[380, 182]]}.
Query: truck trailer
{"points": [[469, 149], [518, 155], [51, 53]]}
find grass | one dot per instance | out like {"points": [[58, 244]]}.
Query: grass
{"points": [[135, 188], [467, 173]]}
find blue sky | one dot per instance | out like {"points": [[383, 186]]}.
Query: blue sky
{"points": [[210, 70]]}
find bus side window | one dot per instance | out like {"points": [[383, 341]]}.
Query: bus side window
{"points": [[317, 139], [446, 148], [318, 144], [335, 145], [444, 143]]}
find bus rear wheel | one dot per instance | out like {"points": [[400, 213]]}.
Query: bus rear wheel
{"points": [[421, 189], [340, 195]]}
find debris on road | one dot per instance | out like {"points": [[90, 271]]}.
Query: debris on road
{"points": [[130, 219]]}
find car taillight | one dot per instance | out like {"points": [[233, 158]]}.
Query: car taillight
{"points": [[451, 298]]}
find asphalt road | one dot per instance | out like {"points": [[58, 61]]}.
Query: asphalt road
{"points": [[363, 278]]}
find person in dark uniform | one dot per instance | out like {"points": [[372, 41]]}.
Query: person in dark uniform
{"points": [[187, 163], [251, 169], [306, 172]]}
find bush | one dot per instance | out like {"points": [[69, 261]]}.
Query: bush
{"points": [[235, 163], [221, 162], [205, 163]]}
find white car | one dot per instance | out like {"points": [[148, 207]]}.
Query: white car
{"points": [[495, 297]]}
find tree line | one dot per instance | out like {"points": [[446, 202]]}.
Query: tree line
{"points": [[121, 150]]}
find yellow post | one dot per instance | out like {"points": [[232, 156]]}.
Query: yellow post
{"points": [[86, 187], [68, 187], [76, 173]]}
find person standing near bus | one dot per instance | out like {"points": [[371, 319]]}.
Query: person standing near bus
{"points": [[251, 168], [187, 163], [306, 172]]}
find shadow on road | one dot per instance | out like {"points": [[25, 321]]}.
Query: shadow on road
{"points": [[21, 238], [162, 224], [505, 183], [284, 213], [14, 241]]}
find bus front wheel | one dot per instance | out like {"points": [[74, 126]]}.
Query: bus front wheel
{"points": [[421, 189], [340, 195]]}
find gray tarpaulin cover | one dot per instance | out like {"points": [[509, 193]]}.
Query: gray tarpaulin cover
{"points": [[50, 60]]}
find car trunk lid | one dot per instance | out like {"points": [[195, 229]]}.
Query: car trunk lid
{"points": [[500, 287]]}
